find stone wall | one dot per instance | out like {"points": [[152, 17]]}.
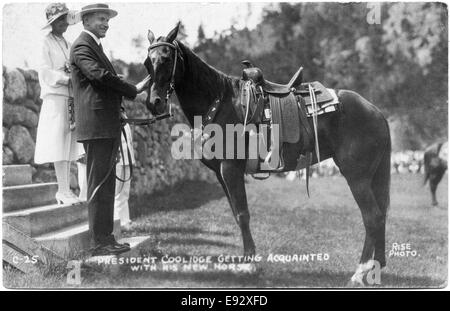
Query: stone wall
{"points": [[155, 168], [21, 106]]}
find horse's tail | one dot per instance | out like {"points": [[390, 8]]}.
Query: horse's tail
{"points": [[381, 182]]}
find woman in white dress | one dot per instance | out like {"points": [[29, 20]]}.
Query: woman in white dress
{"points": [[56, 141]]}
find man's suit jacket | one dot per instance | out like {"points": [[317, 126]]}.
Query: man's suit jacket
{"points": [[97, 91]]}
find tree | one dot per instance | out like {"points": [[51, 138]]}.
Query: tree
{"points": [[399, 65], [201, 37]]}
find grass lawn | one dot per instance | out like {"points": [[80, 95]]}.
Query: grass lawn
{"points": [[194, 219]]}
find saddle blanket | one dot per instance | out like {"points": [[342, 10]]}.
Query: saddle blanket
{"points": [[285, 112], [323, 106]]}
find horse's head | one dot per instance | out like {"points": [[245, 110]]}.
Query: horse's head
{"points": [[164, 65]]}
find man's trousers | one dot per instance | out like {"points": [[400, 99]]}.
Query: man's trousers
{"points": [[101, 169]]}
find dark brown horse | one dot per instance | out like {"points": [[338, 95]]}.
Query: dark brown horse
{"points": [[357, 138]]}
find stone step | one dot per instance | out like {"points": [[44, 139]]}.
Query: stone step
{"points": [[27, 245], [136, 242], [18, 259], [25, 196], [14, 175], [70, 242], [44, 219]]}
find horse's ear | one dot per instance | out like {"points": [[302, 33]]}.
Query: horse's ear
{"points": [[150, 36], [173, 33]]}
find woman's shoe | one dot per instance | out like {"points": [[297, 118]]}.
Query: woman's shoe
{"points": [[66, 198]]}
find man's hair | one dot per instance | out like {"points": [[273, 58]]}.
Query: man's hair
{"points": [[86, 16]]}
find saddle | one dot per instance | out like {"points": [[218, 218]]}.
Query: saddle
{"points": [[295, 85], [290, 106], [255, 74]]}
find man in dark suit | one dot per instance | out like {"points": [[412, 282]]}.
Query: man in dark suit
{"points": [[98, 93]]}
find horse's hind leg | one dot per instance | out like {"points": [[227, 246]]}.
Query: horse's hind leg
{"points": [[381, 189], [231, 177], [373, 220]]}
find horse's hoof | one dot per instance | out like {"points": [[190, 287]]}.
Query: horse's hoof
{"points": [[357, 280], [354, 283]]}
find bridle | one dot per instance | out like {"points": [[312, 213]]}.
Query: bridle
{"points": [[170, 91], [175, 48]]}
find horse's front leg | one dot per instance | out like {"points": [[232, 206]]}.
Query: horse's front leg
{"points": [[231, 177]]}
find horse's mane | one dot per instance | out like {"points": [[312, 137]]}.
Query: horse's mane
{"points": [[204, 77]]}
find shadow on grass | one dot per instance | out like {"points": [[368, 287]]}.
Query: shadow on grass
{"points": [[190, 230], [393, 280], [182, 196], [146, 228], [156, 231], [196, 241]]}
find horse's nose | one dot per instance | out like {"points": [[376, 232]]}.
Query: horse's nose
{"points": [[157, 101]]}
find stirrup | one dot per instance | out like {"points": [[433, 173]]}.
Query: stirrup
{"points": [[260, 176]]}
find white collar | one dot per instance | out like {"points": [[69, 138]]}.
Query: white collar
{"points": [[97, 40]]}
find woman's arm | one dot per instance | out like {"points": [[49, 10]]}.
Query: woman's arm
{"points": [[49, 75]]}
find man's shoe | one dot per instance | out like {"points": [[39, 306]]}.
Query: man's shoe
{"points": [[124, 245], [121, 244], [112, 240], [110, 249]]}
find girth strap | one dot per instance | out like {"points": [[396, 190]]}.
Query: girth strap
{"points": [[308, 138], [315, 121]]}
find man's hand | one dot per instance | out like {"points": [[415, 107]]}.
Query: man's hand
{"points": [[141, 86]]}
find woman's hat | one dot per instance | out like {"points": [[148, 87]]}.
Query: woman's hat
{"points": [[92, 8], [55, 11]]}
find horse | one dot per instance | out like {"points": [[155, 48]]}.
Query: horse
{"points": [[357, 139], [435, 163]]}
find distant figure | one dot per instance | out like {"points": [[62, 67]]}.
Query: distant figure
{"points": [[123, 171], [435, 163]]}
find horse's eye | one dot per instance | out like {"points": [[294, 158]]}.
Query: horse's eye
{"points": [[165, 60]]}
